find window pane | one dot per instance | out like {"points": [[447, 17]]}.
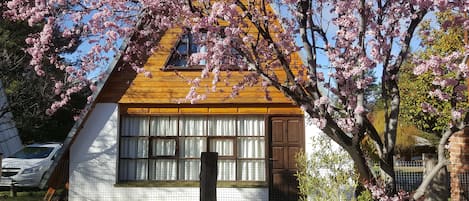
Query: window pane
{"points": [[178, 60], [188, 135], [132, 170], [224, 147], [182, 47], [163, 169], [194, 47], [163, 126], [226, 170], [222, 126], [251, 170], [134, 147], [126, 170], [142, 170], [251, 147], [134, 126], [192, 126], [164, 147], [181, 55], [251, 126], [196, 42], [202, 49], [189, 169], [191, 147]]}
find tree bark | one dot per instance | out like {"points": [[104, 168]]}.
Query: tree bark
{"points": [[364, 171]]}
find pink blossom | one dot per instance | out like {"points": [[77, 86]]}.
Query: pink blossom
{"points": [[148, 74], [93, 87], [428, 108], [359, 109], [89, 99], [260, 43], [320, 123], [323, 100]]}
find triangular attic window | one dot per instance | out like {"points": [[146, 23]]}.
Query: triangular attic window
{"points": [[184, 49]]}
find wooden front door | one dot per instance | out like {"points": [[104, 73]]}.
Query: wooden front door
{"points": [[287, 139]]}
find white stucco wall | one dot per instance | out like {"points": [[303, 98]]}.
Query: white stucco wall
{"points": [[311, 131], [93, 168]]}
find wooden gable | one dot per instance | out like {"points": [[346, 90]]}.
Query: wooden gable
{"points": [[166, 87]]}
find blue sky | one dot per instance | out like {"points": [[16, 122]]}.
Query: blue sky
{"points": [[332, 29], [322, 58]]}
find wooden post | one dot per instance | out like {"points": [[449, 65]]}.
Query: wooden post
{"points": [[208, 176], [438, 190]]}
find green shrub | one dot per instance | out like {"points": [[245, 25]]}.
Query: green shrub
{"points": [[326, 173]]}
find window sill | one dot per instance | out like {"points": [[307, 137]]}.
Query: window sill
{"points": [[220, 184]]}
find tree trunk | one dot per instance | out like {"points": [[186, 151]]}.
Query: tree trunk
{"points": [[364, 171], [389, 175]]}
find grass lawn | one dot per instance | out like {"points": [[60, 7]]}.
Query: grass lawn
{"points": [[30, 195]]}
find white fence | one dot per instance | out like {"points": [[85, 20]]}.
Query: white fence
{"points": [[409, 174]]}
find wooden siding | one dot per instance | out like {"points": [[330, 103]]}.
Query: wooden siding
{"points": [[165, 87]]}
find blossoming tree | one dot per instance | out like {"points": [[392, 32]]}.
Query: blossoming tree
{"points": [[350, 37]]}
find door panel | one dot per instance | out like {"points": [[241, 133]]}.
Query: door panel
{"points": [[291, 157], [293, 132], [277, 132], [287, 139], [278, 158]]}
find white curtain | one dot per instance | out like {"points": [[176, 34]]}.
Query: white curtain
{"points": [[226, 170], [192, 126], [191, 147], [163, 169], [251, 147], [222, 126], [192, 140], [125, 169], [134, 126], [224, 147], [251, 126], [131, 170], [163, 126], [189, 169], [251, 170], [164, 147], [135, 148]]}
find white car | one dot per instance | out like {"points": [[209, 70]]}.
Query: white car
{"points": [[26, 167]]}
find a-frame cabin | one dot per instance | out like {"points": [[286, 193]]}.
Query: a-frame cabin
{"points": [[137, 142]]}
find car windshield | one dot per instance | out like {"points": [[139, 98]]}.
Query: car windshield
{"points": [[32, 152]]}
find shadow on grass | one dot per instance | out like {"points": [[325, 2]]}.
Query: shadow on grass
{"points": [[23, 195]]}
